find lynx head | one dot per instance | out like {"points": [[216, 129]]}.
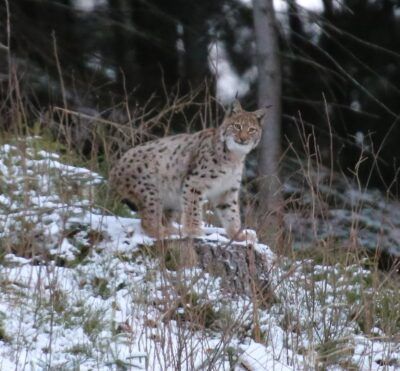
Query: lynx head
{"points": [[241, 130]]}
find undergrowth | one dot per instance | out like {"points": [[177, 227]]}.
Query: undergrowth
{"points": [[327, 290]]}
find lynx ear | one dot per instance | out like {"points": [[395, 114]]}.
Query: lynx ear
{"points": [[260, 113], [236, 107]]}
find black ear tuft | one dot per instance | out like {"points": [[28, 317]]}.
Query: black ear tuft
{"points": [[237, 107]]}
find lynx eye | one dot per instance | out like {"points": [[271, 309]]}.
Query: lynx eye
{"points": [[237, 126], [252, 130]]}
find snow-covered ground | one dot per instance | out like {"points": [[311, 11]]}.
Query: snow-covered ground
{"points": [[83, 289], [323, 205]]}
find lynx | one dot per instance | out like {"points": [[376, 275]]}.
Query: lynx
{"points": [[180, 173]]}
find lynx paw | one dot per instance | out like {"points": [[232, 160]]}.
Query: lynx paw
{"points": [[247, 235], [192, 232], [171, 230], [160, 233]]}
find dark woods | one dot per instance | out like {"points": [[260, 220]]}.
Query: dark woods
{"points": [[120, 46], [340, 65]]}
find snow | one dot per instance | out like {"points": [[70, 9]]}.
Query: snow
{"points": [[337, 209], [257, 357], [228, 82], [280, 5], [88, 5], [92, 294]]}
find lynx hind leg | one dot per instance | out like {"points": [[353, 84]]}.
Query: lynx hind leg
{"points": [[151, 223], [135, 190], [146, 198], [192, 212]]}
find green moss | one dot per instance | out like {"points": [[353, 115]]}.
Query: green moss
{"points": [[84, 240], [59, 301], [146, 250], [100, 287], [81, 349], [172, 258], [4, 337], [368, 280], [333, 352], [232, 355], [320, 276], [110, 202], [353, 297], [199, 315], [45, 142], [3, 251], [330, 252], [197, 311], [387, 311], [93, 323]]}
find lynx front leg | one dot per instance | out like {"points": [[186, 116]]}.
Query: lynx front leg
{"points": [[169, 216], [227, 209], [192, 211]]}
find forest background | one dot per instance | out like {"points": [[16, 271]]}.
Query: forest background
{"points": [[70, 63]]}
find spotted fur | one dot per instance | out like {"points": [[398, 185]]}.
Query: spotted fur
{"points": [[178, 174]]}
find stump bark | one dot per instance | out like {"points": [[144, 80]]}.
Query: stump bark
{"points": [[243, 270]]}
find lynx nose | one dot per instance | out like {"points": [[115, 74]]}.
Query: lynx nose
{"points": [[242, 139]]}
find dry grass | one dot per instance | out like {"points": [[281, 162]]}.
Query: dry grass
{"points": [[324, 276]]}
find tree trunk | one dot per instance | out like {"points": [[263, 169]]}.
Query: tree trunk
{"points": [[328, 9], [120, 45], [269, 93]]}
